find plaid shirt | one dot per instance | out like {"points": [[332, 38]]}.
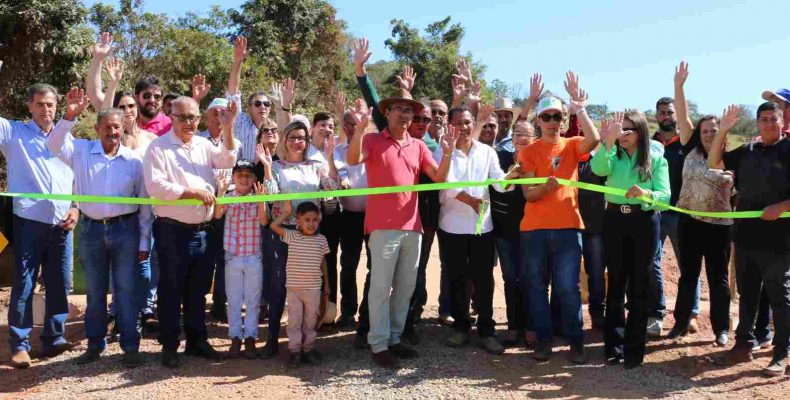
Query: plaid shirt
{"points": [[242, 231]]}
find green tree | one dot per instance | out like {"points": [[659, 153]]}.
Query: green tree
{"points": [[499, 88]]}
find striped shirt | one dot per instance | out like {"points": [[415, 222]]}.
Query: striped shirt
{"points": [[305, 256], [242, 230]]}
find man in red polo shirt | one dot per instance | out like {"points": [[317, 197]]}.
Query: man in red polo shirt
{"points": [[394, 158]]}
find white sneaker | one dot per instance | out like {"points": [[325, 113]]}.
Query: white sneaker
{"points": [[655, 327]]}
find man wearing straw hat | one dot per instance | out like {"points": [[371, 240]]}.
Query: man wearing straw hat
{"points": [[506, 114]]}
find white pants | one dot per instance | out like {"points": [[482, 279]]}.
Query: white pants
{"points": [[243, 283]]}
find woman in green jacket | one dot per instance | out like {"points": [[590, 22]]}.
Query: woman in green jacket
{"points": [[631, 229]]}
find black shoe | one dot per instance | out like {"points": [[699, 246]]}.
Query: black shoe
{"points": [[132, 359], [411, 337], [312, 357], [203, 350], [361, 341], [88, 357], [599, 323], [631, 364], [294, 360], [385, 359], [150, 323], [345, 321], [57, 350], [403, 351], [616, 359], [271, 349], [677, 332], [578, 355], [542, 351], [170, 359], [219, 314]]}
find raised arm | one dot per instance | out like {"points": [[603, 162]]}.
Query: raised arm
{"points": [[355, 154], [361, 56], [199, 88], [684, 120], [611, 130], [223, 183], [240, 52], [579, 107], [114, 67], [728, 121], [276, 225], [60, 142], [93, 83], [447, 141], [535, 90]]}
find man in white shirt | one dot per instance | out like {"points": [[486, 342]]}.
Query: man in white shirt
{"points": [[114, 238], [179, 165]]}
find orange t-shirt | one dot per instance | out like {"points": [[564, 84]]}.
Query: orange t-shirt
{"points": [[559, 209]]}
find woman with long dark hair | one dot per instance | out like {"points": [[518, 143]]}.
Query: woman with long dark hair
{"points": [[631, 229]]}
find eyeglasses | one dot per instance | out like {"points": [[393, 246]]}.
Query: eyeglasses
{"points": [[296, 139], [489, 126], [549, 117], [524, 136], [189, 119], [438, 112], [269, 131], [156, 96], [258, 103], [127, 107], [424, 120], [628, 131]]}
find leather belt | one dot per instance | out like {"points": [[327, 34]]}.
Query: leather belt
{"points": [[111, 220], [203, 226], [627, 209]]}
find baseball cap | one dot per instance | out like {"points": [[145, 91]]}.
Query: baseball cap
{"points": [[547, 104], [219, 103], [243, 165], [782, 94]]}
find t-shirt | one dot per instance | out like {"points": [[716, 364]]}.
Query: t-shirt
{"points": [[762, 178], [675, 156], [559, 209], [305, 256], [507, 208], [592, 205]]}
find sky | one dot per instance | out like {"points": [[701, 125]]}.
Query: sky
{"points": [[625, 52]]}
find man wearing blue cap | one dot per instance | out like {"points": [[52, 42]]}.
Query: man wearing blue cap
{"points": [[781, 97]]}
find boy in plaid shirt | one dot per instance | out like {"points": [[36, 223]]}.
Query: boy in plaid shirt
{"points": [[243, 263]]}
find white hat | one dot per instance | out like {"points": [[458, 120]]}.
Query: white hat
{"points": [[547, 104], [301, 118], [219, 103], [505, 104]]}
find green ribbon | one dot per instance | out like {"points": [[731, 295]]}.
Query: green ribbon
{"points": [[372, 191]]}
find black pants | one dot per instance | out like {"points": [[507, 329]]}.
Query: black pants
{"points": [[699, 239], [352, 237], [216, 253], [470, 257], [420, 296], [756, 270], [331, 228], [630, 244]]}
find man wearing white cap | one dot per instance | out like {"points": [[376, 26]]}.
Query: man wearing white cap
{"points": [[550, 229], [216, 251], [506, 114]]}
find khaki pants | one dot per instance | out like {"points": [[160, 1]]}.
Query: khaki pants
{"points": [[303, 306]]}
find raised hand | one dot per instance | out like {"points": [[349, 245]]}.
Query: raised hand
{"points": [[276, 94], [535, 87], [223, 182], [406, 79], [363, 118], [76, 102], [258, 188], [359, 105], [681, 73], [199, 87], [483, 112], [103, 48], [361, 55], [464, 70], [114, 67], [329, 147], [731, 116], [474, 94], [228, 116], [459, 87], [578, 101], [448, 139], [240, 51], [288, 92], [571, 83], [340, 104], [263, 154], [615, 129]]}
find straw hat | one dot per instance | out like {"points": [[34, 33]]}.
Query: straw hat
{"points": [[401, 96]]}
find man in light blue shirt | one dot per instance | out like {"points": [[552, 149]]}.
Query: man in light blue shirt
{"points": [[42, 228], [113, 238]]}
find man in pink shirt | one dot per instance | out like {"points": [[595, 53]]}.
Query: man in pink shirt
{"points": [[148, 94], [394, 158], [180, 165]]}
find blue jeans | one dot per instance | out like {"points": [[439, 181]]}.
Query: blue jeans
{"points": [[275, 255], [104, 250], [185, 274], [553, 257], [657, 305], [144, 295], [595, 267], [510, 261], [45, 248]]}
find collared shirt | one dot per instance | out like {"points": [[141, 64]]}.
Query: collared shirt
{"points": [[673, 152], [480, 164], [357, 179], [388, 163], [160, 124], [217, 143], [432, 144], [172, 166], [97, 174], [32, 168], [244, 129], [506, 143], [242, 236], [622, 172]]}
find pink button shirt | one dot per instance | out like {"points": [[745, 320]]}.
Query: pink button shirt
{"points": [[171, 166], [390, 164], [159, 125]]}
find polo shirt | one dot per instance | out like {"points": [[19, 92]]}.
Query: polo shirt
{"points": [[160, 124], [388, 163]]}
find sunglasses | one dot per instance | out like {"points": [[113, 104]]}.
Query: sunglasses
{"points": [[489, 126], [147, 96], [549, 117], [628, 131], [189, 119], [258, 103], [438, 112], [296, 139], [269, 131], [127, 107], [424, 120]]}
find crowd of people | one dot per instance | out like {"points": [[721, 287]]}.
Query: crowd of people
{"points": [[160, 262]]}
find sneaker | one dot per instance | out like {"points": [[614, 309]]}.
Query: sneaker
{"points": [[403, 351], [88, 357], [578, 355], [491, 345], [693, 325], [235, 348], [736, 355], [411, 337], [542, 351], [763, 343], [361, 341], [722, 339], [294, 360], [170, 359], [132, 359], [446, 320], [457, 339], [312, 357], [777, 367], [250, 351], [385, 359], [655, 327], [270, 349], [20, 360]]}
